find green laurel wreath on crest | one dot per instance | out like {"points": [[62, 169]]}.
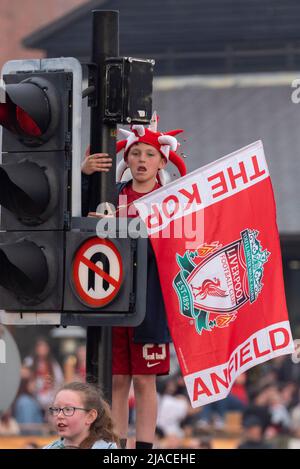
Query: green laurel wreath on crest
{"points": [[256, 257]]}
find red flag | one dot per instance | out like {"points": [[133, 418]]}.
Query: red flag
{"points": [[216, 242]]}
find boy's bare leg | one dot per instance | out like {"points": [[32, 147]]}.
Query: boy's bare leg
{"points": [[146, 407], [120, 411]]}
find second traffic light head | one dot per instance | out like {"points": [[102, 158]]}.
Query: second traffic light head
{"points": [[23, 269], [24, 190]]}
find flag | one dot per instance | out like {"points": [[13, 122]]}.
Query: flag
{"points": [[216, 243]]}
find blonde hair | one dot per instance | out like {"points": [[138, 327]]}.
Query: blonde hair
{"points": [[103, 427]]}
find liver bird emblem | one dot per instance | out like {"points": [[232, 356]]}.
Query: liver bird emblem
{"points": [[209, 288]]}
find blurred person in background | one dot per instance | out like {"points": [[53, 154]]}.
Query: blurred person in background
{"points": [[280, 417], [279, 371], [289, 394], [259, 407], [47, 373], [172, 409], [285, 370], [75, 366], [253, 437], [268, 406], [295, 421], [26, 409]]}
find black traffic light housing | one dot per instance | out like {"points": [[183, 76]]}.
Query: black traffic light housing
{"points": [[35, 191], [35, 188], [128, 90], [42, 231]]}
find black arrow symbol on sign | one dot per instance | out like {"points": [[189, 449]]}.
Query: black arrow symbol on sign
{"points": [[98, 257]]}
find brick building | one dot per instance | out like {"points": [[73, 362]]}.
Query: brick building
{"points": [[18, 18]]}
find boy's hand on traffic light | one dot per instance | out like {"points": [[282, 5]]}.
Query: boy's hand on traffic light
{"points": [[99, 162]]}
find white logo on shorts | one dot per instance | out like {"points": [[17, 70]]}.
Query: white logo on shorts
{"points": [[149, 365]]}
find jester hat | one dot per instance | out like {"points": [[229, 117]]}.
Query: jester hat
{"points": [[164, 142]]}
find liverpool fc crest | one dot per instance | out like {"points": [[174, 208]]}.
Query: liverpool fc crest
{"points": [[215, 281]]}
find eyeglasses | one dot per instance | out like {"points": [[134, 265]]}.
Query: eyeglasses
{"points": [[67, 411]]}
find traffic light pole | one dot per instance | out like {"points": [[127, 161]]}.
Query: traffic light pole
{"points": [[102, 186]]}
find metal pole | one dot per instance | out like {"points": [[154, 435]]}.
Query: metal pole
{"points": [[102, 186]]}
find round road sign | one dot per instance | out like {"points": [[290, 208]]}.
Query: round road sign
{"points": [[97, 272]]}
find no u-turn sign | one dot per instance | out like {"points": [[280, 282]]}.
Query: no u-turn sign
{"points": [[97, 272]]}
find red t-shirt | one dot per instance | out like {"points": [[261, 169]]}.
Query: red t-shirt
{"points": [[154, 328], [127, 197]]}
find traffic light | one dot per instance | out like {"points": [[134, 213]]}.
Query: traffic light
{"points": [[35, 187], [128, 90], [52, 260]]}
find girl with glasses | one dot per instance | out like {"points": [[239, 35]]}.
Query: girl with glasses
{"points": [[82, 418]]}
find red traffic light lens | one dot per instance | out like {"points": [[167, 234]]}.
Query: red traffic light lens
{"points": [[15, 118], [26, 123], [4, 114]]}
